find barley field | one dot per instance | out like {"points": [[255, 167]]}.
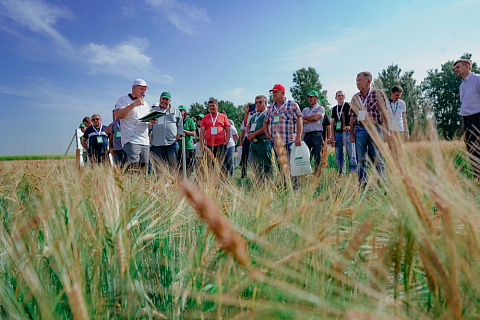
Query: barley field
{"points": [[98, 243]]}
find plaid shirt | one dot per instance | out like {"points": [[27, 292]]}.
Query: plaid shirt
{"points": [[368, 101], [287, 127]]}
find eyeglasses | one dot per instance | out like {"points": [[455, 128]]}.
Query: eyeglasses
{"points": [[96, 119], [258, 102]]}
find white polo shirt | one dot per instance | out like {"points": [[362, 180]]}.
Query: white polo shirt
{"points": [[133, 130], [395, 113]]}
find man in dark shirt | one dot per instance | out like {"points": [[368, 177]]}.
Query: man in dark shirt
{"points": [[97, 141], [341, 138]]}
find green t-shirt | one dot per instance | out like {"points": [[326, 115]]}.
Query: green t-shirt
{"points": [[190, 126], [258, 121]]}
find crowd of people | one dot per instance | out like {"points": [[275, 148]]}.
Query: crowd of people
{"points": [[139, 133]]}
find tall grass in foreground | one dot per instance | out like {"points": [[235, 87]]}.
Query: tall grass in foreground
{"points": [[102, 244]]}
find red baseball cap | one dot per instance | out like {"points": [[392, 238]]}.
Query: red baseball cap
{"points": [[278, 87]]}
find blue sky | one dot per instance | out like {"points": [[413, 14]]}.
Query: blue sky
{"points": [[63, 60]]}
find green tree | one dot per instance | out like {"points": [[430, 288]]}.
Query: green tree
{"points": [[197, 108], [412, 93], [441, 90], [234, 113], [304, 81]]}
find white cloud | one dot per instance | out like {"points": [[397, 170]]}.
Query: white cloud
{"points": [[185, 17], [318, 52], [38, 16], [126, 59]]}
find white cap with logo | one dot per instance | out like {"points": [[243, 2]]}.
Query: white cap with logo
{"points": [[140, 82]]}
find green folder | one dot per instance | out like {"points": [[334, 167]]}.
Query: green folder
{"points": [[152, 115]]}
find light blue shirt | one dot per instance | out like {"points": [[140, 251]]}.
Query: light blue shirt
{"points": [[164, 132], [317, 125], [470, 95]]}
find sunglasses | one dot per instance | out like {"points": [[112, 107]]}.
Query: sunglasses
{"points": [[96, 119]]}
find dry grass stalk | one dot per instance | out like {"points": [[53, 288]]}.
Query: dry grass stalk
{"points": [[121, 255], [282, 157], [353, 246], [361, 315], [210, 154], [325, 154], [449, 287], [271, 227], [77, 303], [429, 272], [153, 313], [344, 212], [412, 192], [298, 254], [449, 231], [208, 211]]}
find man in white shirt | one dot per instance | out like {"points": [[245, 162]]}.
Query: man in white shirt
{"points": [[134, 134], [470, 110], [313, 128], [397, 109]]}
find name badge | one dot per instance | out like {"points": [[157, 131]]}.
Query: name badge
{"points": [[276, 119], [99, 139], [338, 125], [213, 130], [118, 134], [361, 115], [252, 127]]}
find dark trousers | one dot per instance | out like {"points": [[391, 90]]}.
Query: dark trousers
{"points": [[314, 142], [262, 158], [219, 153], [471, 127], [96, 157], [189, 159], [244, 159]]}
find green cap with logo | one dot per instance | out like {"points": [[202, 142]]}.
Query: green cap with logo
{"points": [[313, 93], [182, 107], [166, 94], [82, 125], [201, 115]]}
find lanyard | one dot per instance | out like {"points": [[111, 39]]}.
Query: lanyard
{"points": [[213, 122], [98, 132], [396, 107], [277, 108], [259, 114], [341, 111], [368, 95]]}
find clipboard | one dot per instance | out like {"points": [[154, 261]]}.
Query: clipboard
{"points": [[152, 115]]}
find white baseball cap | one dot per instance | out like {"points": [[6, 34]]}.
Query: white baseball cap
{"points": [[140, 82]]}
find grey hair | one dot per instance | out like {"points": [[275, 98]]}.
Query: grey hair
{"points": [[366, 74], [264, 99]]}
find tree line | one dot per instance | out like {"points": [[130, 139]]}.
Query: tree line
{"points": [[437, 97]]}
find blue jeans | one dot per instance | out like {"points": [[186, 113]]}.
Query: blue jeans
{"points": [[364, 144], [229, 160], [314, 142], [167, 153], [342, 140]]}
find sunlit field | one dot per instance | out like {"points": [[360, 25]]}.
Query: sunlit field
{"points": [[99, 243]]}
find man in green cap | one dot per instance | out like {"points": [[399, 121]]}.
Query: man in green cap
{"points": [[166, 131], [188, 132], [313, 127]]}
